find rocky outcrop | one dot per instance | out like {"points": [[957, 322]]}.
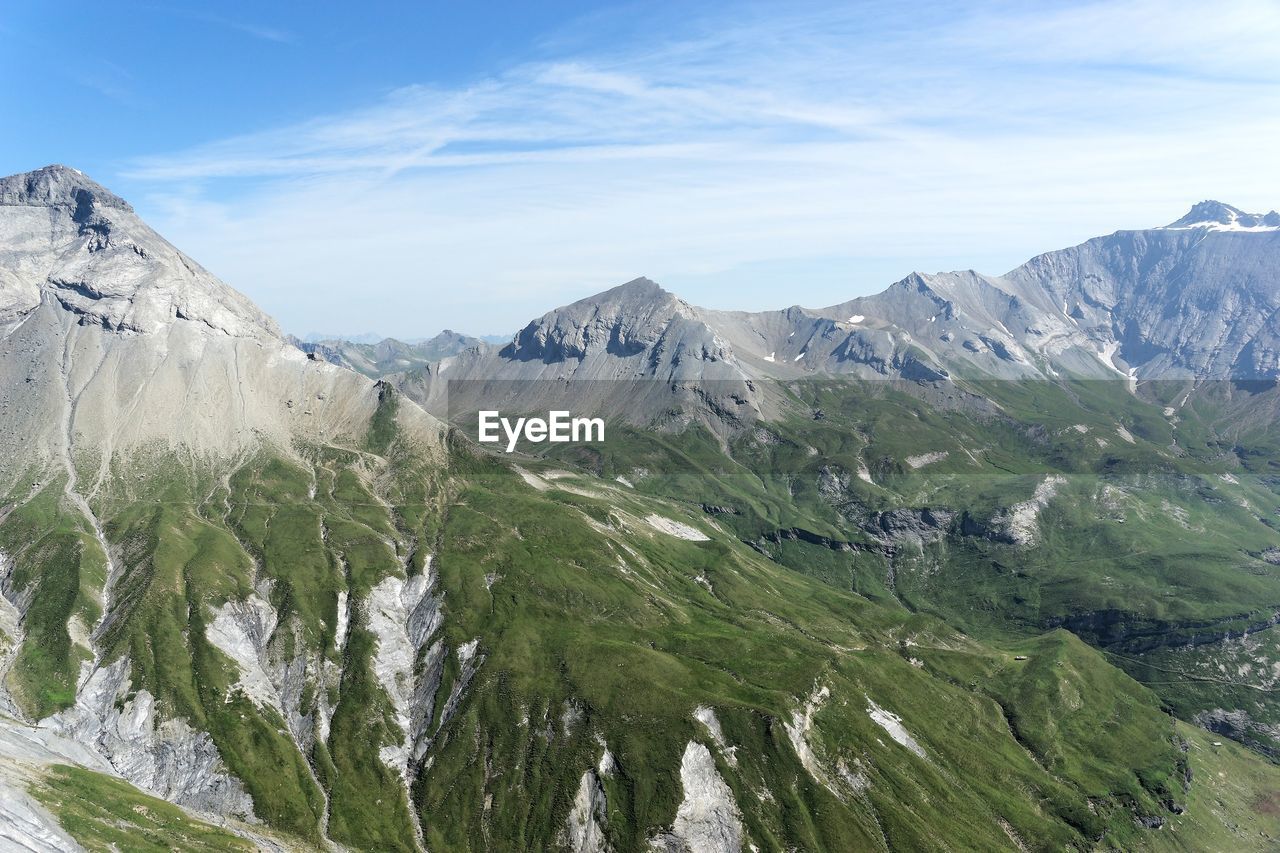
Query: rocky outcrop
{"points": [[916, 527], [164, 756], [404, 616], [12, 604], [1238, 725], [799, 729], [25, 752], [241, 631], [274, 669], [707, 716], [892, 724], [469, 660], [1019, 524], [708, 819], [802, 535], [584, 830]]}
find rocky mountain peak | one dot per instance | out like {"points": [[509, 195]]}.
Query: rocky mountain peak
{"points": [[1217, 216], [632, 293], [67, 241], [622, 320], [58, 186]]}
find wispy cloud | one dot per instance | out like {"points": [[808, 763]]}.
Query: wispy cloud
{"points": [[853, 134], [248, 28]]}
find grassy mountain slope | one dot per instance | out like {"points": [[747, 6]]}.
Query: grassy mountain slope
{"points": [[1147, 524], [579, 617], [102, 813]]}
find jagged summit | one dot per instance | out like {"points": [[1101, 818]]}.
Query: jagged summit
{"points": [[58, 186], [126, 342], [1132, 305], [622, 319], [67, 241], [1217, 216]]}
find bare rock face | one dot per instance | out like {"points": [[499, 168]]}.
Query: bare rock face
{"points": [[25, 752], [623, 352], [404, 615], [708, 819], [637, 329], [389, 355], [1175, 302], [165, 756], [584, 830], [65, 238], [111, 340]]}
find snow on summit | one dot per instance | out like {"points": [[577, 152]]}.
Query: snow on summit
{"points": [[1216, 216]]}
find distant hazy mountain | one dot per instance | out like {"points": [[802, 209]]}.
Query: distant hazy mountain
{"points": [[360, 338], [388, 355]]}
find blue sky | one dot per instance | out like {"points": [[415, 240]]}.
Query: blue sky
{"points": [[403, 167]]}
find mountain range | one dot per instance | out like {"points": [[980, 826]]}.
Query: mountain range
{"points": [[388, 355], [979, 562]]}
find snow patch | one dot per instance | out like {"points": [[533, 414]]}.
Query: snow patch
{"points": [[856, 318], [1107, 355], [770, 357]]}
